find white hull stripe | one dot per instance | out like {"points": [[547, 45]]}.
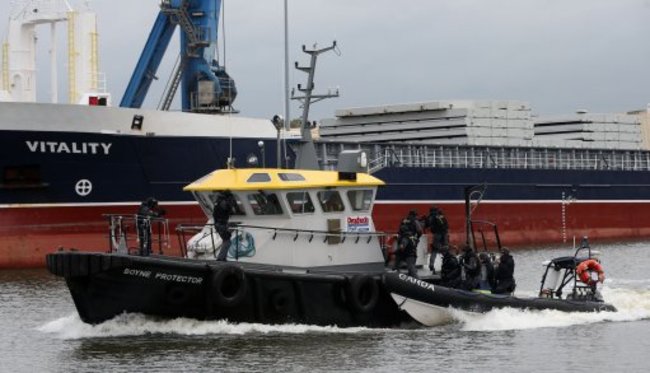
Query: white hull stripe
{"points": [[382, 202], [510, 202], [92, 204]]}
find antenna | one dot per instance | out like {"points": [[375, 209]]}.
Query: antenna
{"points": [[306, 158]]}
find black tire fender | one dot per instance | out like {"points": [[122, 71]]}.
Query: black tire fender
{"points": [[229, 285], [362, 293]]}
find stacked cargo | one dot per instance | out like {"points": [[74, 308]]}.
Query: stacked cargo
{"points": [[584, 130], [501, 123]]}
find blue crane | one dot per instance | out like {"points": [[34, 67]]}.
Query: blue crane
{"points": [[205, 85]]}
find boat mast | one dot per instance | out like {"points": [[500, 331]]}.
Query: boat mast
{"points": [[287, 114], [306, 155]]}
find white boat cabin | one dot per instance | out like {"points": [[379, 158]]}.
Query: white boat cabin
{"points": [[292, 218]]}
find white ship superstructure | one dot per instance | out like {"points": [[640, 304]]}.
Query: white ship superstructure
{"points": [[19, 71]]}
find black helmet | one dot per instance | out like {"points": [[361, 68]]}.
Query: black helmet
{"points": [[152, 202]]}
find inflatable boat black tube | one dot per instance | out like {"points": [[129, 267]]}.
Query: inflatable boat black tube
{"points": [[444, 297]]}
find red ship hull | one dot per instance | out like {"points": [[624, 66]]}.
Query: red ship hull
{"points": [[28, 233]]}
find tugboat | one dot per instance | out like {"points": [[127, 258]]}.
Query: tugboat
{"points": [[568, 284], [303, 250]]}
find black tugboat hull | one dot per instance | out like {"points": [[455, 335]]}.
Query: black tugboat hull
{"points": [[418, 298], [106, 285]]}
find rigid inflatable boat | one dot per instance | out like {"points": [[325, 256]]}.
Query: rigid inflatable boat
{"points": [[576, 275]]}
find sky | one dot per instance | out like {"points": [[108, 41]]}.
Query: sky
{"points": [[558, 55]]}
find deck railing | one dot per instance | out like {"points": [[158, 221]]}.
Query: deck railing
{"points": [[129, 234], [186, 231], [459, 156]]}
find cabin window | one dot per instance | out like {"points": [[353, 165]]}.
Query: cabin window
{"points": [[265, 203], [290, 176], [300, 202], [330, 201], [209, 199], [360, 200], [259, 178], [22, 177]]}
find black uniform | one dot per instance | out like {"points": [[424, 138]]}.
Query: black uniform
{"points": [[223, 208], [504, 274], [148, 209], [437, 224], [408, 236], [471, 266], [450, 274], [487, 281]]}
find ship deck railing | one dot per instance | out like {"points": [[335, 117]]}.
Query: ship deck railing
{"points": [[467, 156], [125, 232], [185, 231]]}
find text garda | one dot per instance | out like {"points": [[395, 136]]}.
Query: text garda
{"points": [[416, 281]]}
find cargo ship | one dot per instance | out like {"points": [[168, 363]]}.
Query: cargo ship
{"points": [[547, 180], [66, 164]]}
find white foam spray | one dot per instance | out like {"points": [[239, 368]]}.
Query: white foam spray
{"points": [[71, 327], [630, 297]]}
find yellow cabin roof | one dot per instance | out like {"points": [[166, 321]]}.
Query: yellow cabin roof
{"points": [[269, 179]]}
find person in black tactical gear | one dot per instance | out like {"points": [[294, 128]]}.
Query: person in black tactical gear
{"points": [[471, 268], [486, 281], [224, 206], [148, 209], [450, 273], [504, 274], [408, 236], [437, 224]]}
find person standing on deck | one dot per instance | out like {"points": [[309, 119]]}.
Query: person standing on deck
{"points": [[224, 206], [148, 209], [408, 235], [437, 224]]}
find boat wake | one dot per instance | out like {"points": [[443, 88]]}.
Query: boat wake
{"points": [[71, 327], [630, 297]]}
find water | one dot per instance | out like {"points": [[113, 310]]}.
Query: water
{"points": [[42, 332]]}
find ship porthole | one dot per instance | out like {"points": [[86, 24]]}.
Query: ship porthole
{"points": [[83, 187], [229, 286], [363, 293]]}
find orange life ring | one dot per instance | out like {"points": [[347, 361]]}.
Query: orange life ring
{"points": [[584, 269]]}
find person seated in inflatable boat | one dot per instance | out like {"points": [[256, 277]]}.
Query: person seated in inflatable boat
{"points": [[504, 274]]}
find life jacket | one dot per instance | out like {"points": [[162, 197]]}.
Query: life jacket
{"points": [[407, 228], [438, 223]]}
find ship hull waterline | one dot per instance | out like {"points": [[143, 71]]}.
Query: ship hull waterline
{"points": [[107, 285]]}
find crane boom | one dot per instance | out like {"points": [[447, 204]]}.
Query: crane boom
{"points": [[205, 85]]}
